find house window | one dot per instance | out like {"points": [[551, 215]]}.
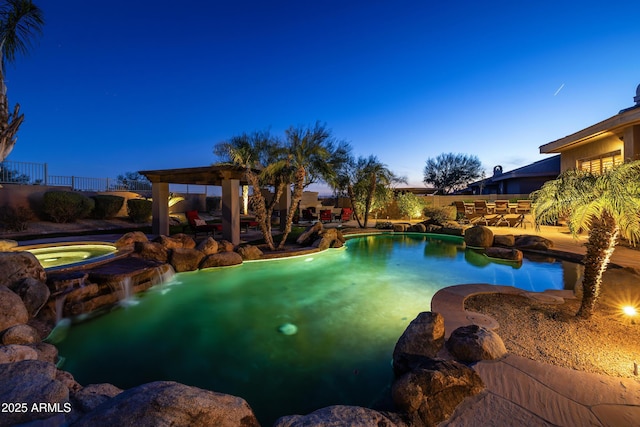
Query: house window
{"points": [[601, 163]]}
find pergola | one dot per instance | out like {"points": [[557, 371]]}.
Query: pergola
{"points": [[229, 177]]}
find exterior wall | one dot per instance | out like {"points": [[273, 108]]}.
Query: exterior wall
{"points": [[632, 143], [570, 157]]}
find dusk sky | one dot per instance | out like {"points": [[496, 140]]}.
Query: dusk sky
{"points": [[126, 85]]}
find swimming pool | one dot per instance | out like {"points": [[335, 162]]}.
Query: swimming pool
{"points": [[68, 255], [222, 329]]}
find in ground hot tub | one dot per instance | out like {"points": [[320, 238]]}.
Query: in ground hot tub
{"points": [[71, 255]]}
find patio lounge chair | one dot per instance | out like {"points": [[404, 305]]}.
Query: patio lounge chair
{"points": [[345, 214], [502, 210], [523, 209], [481, 211], [464, 212], [199, 225], [326, 215]]}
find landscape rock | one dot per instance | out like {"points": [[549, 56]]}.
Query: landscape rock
{"points": [[310, 235], [326, 239], [225, 246], [90, 397], [478, 236], [34, 294], [16, 352], [452, 228], [16, 266], [400, 227], [183, 259], [527, 241], [432, 390], [208, 246], [508, 254], [65, 281], [424, 337], [128, 240], [507, 240], [474, 343], [12, 309], [7, 245], [152, 251], [30, 381], [20, 334], [249, 252], [46, 352], [418, 228], [67, 379], [339, 415], [165, 403], [222, 259], [177, 241]]}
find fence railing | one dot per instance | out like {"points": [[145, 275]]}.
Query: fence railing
{"points": [[36, 174]]}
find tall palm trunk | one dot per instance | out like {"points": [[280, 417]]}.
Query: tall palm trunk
{"points": [[298, 188], [352, 197], [9, 122], [370, 196], [264, 221], [600, 247]]}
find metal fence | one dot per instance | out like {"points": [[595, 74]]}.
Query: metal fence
{"points": [[36, 174]]}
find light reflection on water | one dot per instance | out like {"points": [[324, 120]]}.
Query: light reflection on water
{"points": [[218, 329]]}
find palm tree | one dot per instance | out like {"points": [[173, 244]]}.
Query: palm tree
{"points": [[256, 153], [19, 20], [310, 151], [607, 206], [367, 182]]}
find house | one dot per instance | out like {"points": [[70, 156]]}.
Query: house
{"points": [[602, 145], [523, 180]]}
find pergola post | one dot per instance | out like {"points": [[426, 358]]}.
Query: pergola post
{"points": [[160, 208], [231, 210]]}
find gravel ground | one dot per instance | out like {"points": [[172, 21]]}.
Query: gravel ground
{"points": [[607, 343]]}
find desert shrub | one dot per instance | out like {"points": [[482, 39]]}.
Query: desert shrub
{"points": [[15, 219], [438, 216], [107, 206], [66, 206], [410, 205], [139, 210]]}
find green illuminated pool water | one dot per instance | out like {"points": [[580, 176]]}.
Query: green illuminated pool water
{"points": [[68, 255], [218, 329]]}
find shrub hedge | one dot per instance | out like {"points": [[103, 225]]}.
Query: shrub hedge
{"points": [[107, 206], [66, 206], [139, 210], [14, 219]]}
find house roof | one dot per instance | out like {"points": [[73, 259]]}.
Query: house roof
{"points": [[612, 126], [545, 167]]}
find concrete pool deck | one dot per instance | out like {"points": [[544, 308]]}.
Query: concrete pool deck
{"points": [[522, 392]]}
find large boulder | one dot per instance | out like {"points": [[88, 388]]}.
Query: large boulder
{"points": [[183, 259], [16, 266], [165, 403], [34, 294], [507, 240], [528, 241], [181, 241], [508, 254], [31, 381], [128, 240], [16, 352], [225, 246], [208, 246], [20, 334], [339, 415], [310, 235], [474, 343], [152, 251], [46, 352], [478, 236], [431, 392], [90, 397], [12, 309], [222, 259], [424, 337], [418, 228], [329, 238], [249, 252]]}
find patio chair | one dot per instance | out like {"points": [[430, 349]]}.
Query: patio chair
{"points": [[464, 212], [481, 210], [523, 209], [502, 210], [345, 214], [309, 214], [197, 224], [326, 215]]}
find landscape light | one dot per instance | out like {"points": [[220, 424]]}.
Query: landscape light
{"points": [[629, 310]]}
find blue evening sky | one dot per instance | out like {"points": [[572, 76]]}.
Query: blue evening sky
{"points": [[126, 85]]}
